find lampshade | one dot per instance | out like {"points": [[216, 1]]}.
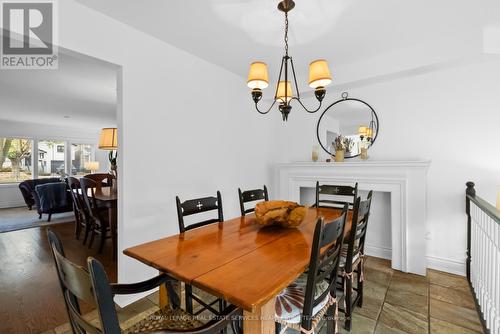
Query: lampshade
{"points": [[257, 76], [108, 140], [362, 130], [280, 94], [319, 74], [498, 200], [92, 165]]}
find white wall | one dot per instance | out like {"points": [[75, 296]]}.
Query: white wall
{"points": [[184, 129], [449, 116]]}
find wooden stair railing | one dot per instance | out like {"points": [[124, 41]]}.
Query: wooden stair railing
{"points": [[483, 257]]}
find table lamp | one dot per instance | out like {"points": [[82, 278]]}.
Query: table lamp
{"points": [[498, 200], [92, 166]]}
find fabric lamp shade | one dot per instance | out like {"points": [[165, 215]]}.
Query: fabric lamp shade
{"points": [[258, 76], [498, 200], [319, 74], [362, 130], [284, 86], [92, 165], [108, 140]]}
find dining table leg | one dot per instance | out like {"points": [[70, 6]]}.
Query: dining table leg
{"points": [[261, 321]]}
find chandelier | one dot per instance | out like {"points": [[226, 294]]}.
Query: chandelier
{"points": [[285, 93]]}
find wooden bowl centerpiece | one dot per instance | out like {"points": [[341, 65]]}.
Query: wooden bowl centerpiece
{"points": [[283, 213]]}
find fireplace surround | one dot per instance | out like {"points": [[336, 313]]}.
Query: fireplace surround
{"points": [[406, 181]]}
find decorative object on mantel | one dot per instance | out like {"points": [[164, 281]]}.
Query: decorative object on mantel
{"points": [[283, 213], [341, 145], [315, 153], [258, 78], [351, 118], [108, 140]]}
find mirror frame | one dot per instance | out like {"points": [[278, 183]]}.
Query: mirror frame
{"points": [[343, 99]]}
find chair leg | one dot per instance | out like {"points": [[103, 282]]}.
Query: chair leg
{"points": [[103, 237], [87, 232], [330, 320], [189, 299], [277, 328], [50, 216], [348, 303], [92, 234], [39, 216], [360, 285], [78, 227]]}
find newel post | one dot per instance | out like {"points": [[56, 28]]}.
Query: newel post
{"points": [[470, 191]]}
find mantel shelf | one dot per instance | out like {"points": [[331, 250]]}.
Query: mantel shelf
{"points": [[359, 163]]}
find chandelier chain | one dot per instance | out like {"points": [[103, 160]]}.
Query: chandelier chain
{"points": [[286, 34]]}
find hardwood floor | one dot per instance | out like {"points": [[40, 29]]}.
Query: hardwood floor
{"points": [[31, 300]]}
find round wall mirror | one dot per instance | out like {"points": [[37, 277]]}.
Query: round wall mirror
{"points": [[348, 123]]}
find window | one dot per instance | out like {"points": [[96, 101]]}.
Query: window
{"points": [[15, 159], [82, 159], [51, 158]]}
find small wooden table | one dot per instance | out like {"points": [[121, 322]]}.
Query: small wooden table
{"points": [[239, 261]]}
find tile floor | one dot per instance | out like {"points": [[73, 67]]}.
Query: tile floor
{"points": [[394, 302]]}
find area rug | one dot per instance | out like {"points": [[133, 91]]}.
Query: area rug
{"points": [[14, 219]]}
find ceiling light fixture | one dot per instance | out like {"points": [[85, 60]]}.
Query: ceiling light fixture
{"points": [[258, 78]]}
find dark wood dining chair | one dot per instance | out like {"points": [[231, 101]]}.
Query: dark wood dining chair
{"points": [[91, 286], [335, 196], [196, 206], [352, 259], [192, 207], [305, 302], [81, 215], [251, 196], [101, 180], [97, 217]]}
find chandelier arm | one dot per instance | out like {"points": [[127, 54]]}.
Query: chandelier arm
{"points": [[267, 111], [303, 106], [295, 79]]}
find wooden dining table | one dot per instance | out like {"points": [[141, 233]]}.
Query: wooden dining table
{"points": [[238, 260]]}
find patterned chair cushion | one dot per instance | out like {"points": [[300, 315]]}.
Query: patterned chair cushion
{"points": [[290, 301], [343, 256], [165, 319]]}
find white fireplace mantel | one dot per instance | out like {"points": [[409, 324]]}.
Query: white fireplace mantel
{"points": [[406, 181]]}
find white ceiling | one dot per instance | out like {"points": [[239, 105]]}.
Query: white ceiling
{"points": [[233, 33], [80, 94]]}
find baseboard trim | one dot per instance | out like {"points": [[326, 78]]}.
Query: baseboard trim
{"points": [[377, 251], [446, 265], [11, 204]]}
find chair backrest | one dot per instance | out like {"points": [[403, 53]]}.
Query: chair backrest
{"points": [[76, 195], [198, 205], [356, 239], [250, 196], [75, 284], [99, 179], [336, 196], [323, 264], [88, 186]]}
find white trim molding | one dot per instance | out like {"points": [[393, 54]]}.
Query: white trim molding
{"points": [[446, 265], [406, 181]]}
